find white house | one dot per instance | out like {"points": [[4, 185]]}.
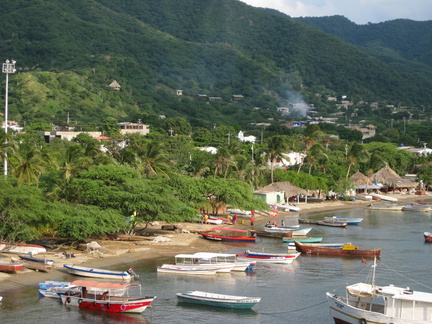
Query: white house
{"points": [[243, 138]]}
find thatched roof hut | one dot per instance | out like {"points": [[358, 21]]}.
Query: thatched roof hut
{"points": [[285, 186], [390, 178], [359, 179]]}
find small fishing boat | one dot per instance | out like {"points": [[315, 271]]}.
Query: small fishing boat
{"points": [[38, 264], [215, 221], [219, 300], [280, 229], [363, 197], [21, 248], [262, 257], [417, 208], [194, 271], [383, 197], [299, 232], [347, 249], [289, 207], [52, 284], [427, 236], [228, 235], [386, 207], [332, 224], [304, 239], [225, 259], [107, 301], [366, 302], [99, 273], [291, 246], [348, 220], [36, 260], [11, 266]]}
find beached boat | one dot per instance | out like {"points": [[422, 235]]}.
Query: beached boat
{"points": [[219, 300], [38, 264], [383, 197], [332, 224], [427, 236], [363, 197], [369, 303], [347, 249], [304, 239], [21, 248], [215, 221], [228, 234], [240, 212], [417, 208], [36, 260], [292, 246], [99, 273], [107, 301], [348, 220], [280, 229], [263, 257], [289, 207], [11, 266]]}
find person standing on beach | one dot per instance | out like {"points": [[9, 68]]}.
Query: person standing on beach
{"points": [[205, 218], [252, 220], [234, 220]]}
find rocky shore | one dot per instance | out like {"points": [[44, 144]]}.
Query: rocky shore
{"points": [[162, 243]]}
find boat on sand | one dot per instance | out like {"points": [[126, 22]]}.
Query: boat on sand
{"points": [[228, 235], [219, 300]]}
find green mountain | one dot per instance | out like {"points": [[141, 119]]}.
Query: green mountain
{"points": [[68, 52]]}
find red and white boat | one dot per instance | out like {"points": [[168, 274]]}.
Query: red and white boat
{"points": [[229, 235], [427, 236], [21, 248], [261, 257], [11, 267], [107, 301]]}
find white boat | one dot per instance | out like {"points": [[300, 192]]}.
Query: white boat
{"points": [[369, 303], [99, 273], [347, 220], [287, 207], [240, 212], [386, 207], [417, 208], [195, 264], [51, 284], [1, 298], [215, 221], [263, 257], [301, 232], [384, 197], [19, 248], [363, 197], [280, 229], [219, 300], [57, 292], [225, 258]]}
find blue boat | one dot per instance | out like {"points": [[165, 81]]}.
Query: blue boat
{"points": [[218, 300], [305, 239]]}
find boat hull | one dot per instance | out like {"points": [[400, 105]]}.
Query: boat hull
{"points": [[303, 240], [225, 301], [269, 257], [191, 271], [331, 224], [97, 273], [311, 249], [427, 236], [347, 220], [135, 305], [216, 237], [10, 267]]}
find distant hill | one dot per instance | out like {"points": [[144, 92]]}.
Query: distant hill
{"points": [[67, 52]]}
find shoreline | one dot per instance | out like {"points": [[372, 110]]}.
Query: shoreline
{"points": [[116, 252]]}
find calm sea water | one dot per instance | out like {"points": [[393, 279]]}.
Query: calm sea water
{"points": [[292, 293]]}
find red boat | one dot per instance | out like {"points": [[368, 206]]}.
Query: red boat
{"points": [[228, 235], [427, 236], [346, 250], [10, 267], [107, 301]]}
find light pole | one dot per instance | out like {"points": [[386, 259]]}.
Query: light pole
{"points": [[8, 67]]}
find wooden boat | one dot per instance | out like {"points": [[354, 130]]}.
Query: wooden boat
{"points": [[291, 246], [262, 257], [287, 207], [386, 207], [219, 300], [416, 208], [21, 248], [332, 224], [280, 229], [99, 273], [304, 239], [36, 260], [107, 301], [348, 220], [427, 236], [228, 235], [369, 303], [268, 234], [363, 197], [11, 267], [347, 249], [215, 221]]}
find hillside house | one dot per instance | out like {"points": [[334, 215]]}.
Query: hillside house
{"points": [[134, 128], [243, 138], [115, 85]]}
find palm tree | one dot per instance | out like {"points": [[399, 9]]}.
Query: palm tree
{"points": [[316, 154], [7, 146], [28, 164], [276, 146], [153, 160], [356, 153], [73, 161]]}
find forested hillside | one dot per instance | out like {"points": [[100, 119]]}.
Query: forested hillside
{"points": [[68, 52]]}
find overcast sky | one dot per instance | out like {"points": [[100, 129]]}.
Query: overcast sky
{"points": [[358, 11]]}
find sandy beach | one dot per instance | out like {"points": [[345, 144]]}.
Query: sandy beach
{"points": [[163, 243]]}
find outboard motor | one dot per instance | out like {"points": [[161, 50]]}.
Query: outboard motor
{"points": [[132, 273]]}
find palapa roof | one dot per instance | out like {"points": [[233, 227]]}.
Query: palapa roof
{"points": [[389, 177], [285, 186], [360, 179]]}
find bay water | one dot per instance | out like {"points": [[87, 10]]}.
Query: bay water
{"points": [[293, 293]]}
